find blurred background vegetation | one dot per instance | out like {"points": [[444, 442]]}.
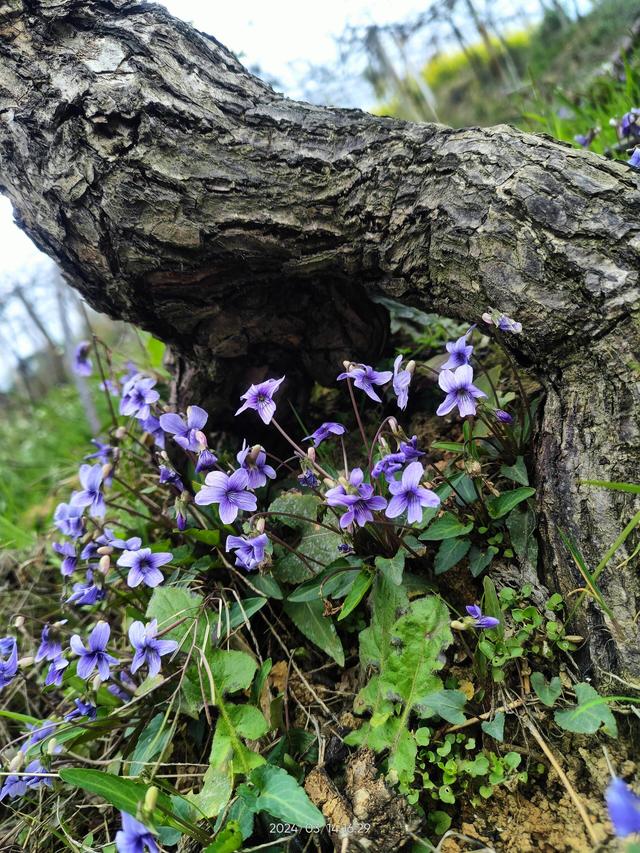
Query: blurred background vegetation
{"points": [[566, 71]]}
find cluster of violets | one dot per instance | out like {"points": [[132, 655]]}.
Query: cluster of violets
{"points": [[627, 130], [393, 485]]}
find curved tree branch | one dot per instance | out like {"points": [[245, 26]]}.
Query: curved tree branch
{"points": [[181, 193]]}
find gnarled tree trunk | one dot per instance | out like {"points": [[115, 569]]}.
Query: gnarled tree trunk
{"points": [[179, 192]]}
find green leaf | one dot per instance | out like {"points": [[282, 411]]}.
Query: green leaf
{"points": [[169, 604], [268, 585], [228, 840], [633, 488], [209, 537], [333, 582], [450, 446], [231, 670], [125, 794], [517, 472], [495, 728], [392, 568], [151, 743], [591, 712], [216, 791], [547, 692], [310, 540], [479, 560], [500, 506], [387, 600], [410, 657], [282, 797], [155, 351], [450, 552], [309, 619], [445, 527], [360, 588], [521, 524], [240, 611], [447, 704]]}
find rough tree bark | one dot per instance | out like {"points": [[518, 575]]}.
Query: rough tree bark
{"points": [[179, 192]]}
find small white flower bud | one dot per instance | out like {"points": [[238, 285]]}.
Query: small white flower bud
{"points": [[26, 661], [260, 525], [17, 762], [151, 799], [18, 622], [51, 746], [411, 366], [105, 564], [107, 469], [95, 684], [311, 453], [393, 425], [120, 433], [104, 549]]}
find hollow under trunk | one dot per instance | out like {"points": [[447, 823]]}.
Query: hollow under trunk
{"points": [[250, 232]]}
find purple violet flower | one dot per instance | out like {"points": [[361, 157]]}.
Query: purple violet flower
{"points": [[324, 431], [83, 709], [81, 362], [624, 808], [260, 398], [502, 322], [480, 621], [8, 660], [138, 396], [460, 390], [169, 476], [68, 519], [144, 566], [410, 449], [55, 671], [17, 785], [249, 550], [94, 655], [126, 679], [254, 461], [148, 650], [152, 426], [361, 503], [634, 160], [388, 465], [88, 593], [110, 386], [49, 647], [229, 492], [503, 417], [91, 494], [70, 559], [459, 352], [134, 837], [409, 496], [104, 452], [629, 123], [38, 733], [308, 479], [185, 433], [365, 377], [206, 460], [401, 382]]}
